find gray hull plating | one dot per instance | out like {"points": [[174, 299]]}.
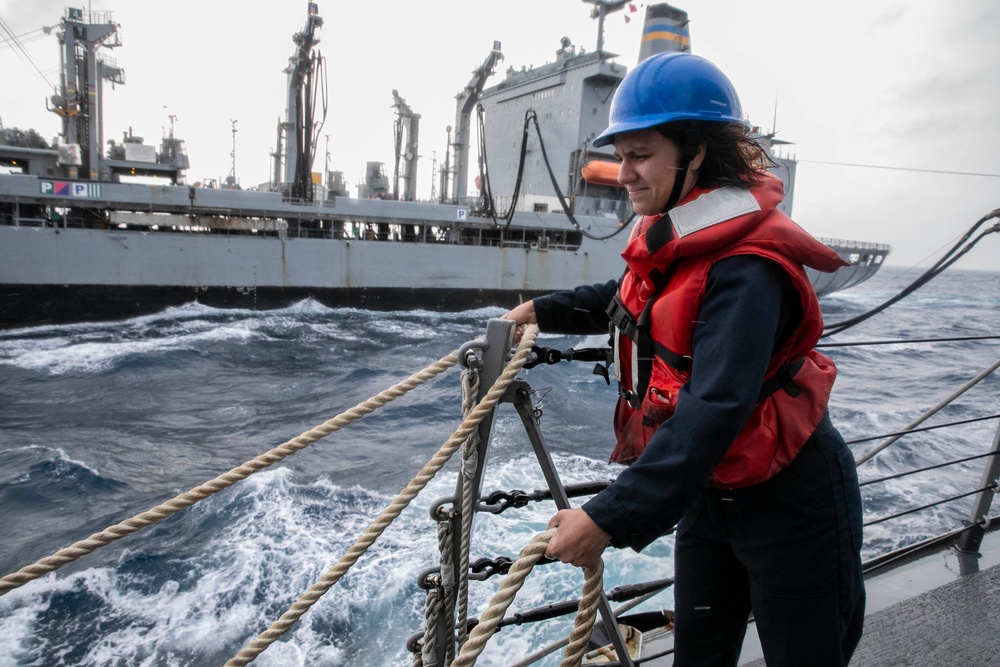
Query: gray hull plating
{"points": [[57, 274], [54, 274]]}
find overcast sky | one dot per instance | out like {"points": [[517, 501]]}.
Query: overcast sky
{"points": [[906, 84]]}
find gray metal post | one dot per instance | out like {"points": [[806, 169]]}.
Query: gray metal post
{"points": [[522, 402], [971, 539], [495, 353]]}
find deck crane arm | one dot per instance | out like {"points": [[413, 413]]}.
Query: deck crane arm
{"points": [[408, 124], [298, 128], [467, 100]]}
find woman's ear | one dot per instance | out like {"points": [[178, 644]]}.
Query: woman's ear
{"points": [[699, 157]]}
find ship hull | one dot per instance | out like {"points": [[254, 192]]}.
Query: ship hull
{"points": [[62, 275], [118, 250]]}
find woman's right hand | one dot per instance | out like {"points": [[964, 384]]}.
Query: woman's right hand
{"points": [[522, 314]]}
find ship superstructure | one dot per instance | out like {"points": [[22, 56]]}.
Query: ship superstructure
{"points": [[81, 237]]}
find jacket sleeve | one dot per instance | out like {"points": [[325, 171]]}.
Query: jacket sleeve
{"points": [[747, 305], [578, 311]]}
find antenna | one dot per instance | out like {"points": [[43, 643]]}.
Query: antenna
{"points": [[601, 9], [232, 174], [326, 165]]}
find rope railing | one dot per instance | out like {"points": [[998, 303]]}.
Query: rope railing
{"points": [[395, 508], [474, 643], [470, 460], [501, 601], [224, 481]]}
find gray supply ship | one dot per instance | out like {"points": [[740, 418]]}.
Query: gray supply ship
{"points": [[81, 238]]}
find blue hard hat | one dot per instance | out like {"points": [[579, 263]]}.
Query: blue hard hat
{"points": [[669, 87]]}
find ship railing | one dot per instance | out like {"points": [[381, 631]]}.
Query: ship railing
{"points": [[10, 220], [394, 233], [448, 624], [965, 534], [882, 248], [91, 16]]}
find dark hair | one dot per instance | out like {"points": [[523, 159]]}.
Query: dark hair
{"points": [[733, 156]]}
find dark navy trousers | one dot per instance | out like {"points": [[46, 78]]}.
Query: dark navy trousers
{"points": [[786, 550]]}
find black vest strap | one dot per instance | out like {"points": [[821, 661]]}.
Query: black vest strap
{"points": [[783, 379], [671, 358], [638, 331], [620, 318]]}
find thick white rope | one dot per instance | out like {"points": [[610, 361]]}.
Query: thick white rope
{"points": [[470, 462], [436, 608], [399, 503], [164, 510], [501, 601]]}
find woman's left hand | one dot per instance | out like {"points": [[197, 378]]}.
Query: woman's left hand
{"points": [[578, 541]]}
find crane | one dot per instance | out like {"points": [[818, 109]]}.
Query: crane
{"points": [[467, 100], [299, 131], [407, 123]]}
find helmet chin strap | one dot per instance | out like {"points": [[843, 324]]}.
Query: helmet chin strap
{"points": [[679, 178], [661, 232]]}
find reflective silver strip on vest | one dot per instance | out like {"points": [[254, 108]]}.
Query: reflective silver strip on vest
{"points": [[617, 364], [635, 366], [712, 208]]}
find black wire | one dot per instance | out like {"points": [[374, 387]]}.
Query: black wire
{"points": [[562, 200], [529, 117], [926, 469], [923, 428], [929, 505], [485, 174], [17, 46], [954, 339], [319, 71], [946, 260]]}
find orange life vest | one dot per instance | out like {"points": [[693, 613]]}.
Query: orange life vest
{"points": [[656, 310]]}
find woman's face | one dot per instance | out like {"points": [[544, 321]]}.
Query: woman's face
{"points": [[648, 169]]}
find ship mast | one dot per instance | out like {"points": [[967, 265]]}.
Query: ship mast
{"points": [[601, 9], [81, 98], [298, 129]]}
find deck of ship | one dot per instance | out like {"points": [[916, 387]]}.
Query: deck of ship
{"points": [[940, 609], [956, 624], [937, 609]]}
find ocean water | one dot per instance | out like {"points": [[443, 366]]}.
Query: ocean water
{"points": [[101, 421]]}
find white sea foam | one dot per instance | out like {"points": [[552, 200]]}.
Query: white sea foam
{"points": [[194, 589]]}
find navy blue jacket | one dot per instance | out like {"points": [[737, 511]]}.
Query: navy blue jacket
{"points": [[749, 306]]}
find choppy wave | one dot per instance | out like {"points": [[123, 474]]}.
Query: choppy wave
{"points": [[104, 420]]}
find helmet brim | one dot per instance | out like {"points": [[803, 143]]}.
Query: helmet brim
{"points": [[608, 136]]}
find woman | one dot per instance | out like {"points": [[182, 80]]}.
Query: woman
{"points": [[722, 416]]}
